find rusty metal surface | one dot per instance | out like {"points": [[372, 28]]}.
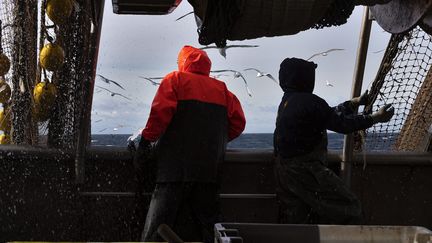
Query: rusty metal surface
{"points": [[398, 16]]}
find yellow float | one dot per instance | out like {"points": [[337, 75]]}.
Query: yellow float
{"points": [[4, 64], [4, 139], [51, 56], [59, 10], [5, 91], [5, 120], [44, 95]]}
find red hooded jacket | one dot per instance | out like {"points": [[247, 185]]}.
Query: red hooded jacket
{"points": [[192, 81], [193, 115]]}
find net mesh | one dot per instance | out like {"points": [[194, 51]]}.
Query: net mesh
{"points": [[402, 81], [6, 8], [74, 35], [337, 14]]}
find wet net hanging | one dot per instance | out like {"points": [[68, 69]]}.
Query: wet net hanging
{"points": [[6, 19], [403, 80], [26, 28]]}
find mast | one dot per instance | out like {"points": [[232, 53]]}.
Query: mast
{"points": [[348, 149]]}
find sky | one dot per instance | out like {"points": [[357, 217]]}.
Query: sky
{"points": [[148, 45]]}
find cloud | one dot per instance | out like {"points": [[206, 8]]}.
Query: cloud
{"points": [[268, 108]]}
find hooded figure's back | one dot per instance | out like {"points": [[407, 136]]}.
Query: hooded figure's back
{"points": [[195, 115], [300, 125]]}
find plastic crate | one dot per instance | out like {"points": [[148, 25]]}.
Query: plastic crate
{"points": [[284, 233]]}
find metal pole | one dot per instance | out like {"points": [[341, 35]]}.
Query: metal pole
{"points": [[347, 157], [98, 8]]}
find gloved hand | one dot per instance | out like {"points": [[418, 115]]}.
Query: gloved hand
{"points": [[384, 114], [131, 147], [142, 153], [360, 100], [145, 163], [133, 141]]}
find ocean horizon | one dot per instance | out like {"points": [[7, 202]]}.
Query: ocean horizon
{"points": [[245, 140]]}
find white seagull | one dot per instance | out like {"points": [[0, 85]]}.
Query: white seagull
{"points": [[184, 15], [218, 75], [329, 84], [262, 74], [324, 53], [151, 80], [375, 52], [236, 74], [108, 81], [113, 93], [102, 129], [222, 50]]}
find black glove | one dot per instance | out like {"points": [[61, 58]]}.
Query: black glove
{"points": [[145, 163], [360, 100], [131, 147], [142, 153], [384, 114]]}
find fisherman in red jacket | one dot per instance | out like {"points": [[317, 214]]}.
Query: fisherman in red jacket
{"points": [[192, 116]]}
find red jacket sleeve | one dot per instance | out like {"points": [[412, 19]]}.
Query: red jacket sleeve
{"points": [[236, 118], [163, 107]]}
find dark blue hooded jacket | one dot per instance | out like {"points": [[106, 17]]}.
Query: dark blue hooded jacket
{"points": [[303, 117]]}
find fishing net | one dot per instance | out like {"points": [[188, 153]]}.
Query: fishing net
{"points": [[6, 34], [404, 81], [337, 14], [220, 18], [26, 29], [239, 20]]}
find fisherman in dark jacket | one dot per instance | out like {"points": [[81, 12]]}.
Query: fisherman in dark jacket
{"points": [[193, 116], [307, 190]]}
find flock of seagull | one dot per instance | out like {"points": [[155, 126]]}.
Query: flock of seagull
{"points": [[215, 73], [238, 74]]}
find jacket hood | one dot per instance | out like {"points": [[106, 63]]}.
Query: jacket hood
{"points": [[193, 60], [297, 75]]}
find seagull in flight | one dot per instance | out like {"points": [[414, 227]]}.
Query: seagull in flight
{"points": [[329, 84], [102, 130], [262, 74], [375, 52], [236, 74], [113, 93], [151, 80], [219, 75], [108, 81], [324, 53], [222, 50], [184, 15]]}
